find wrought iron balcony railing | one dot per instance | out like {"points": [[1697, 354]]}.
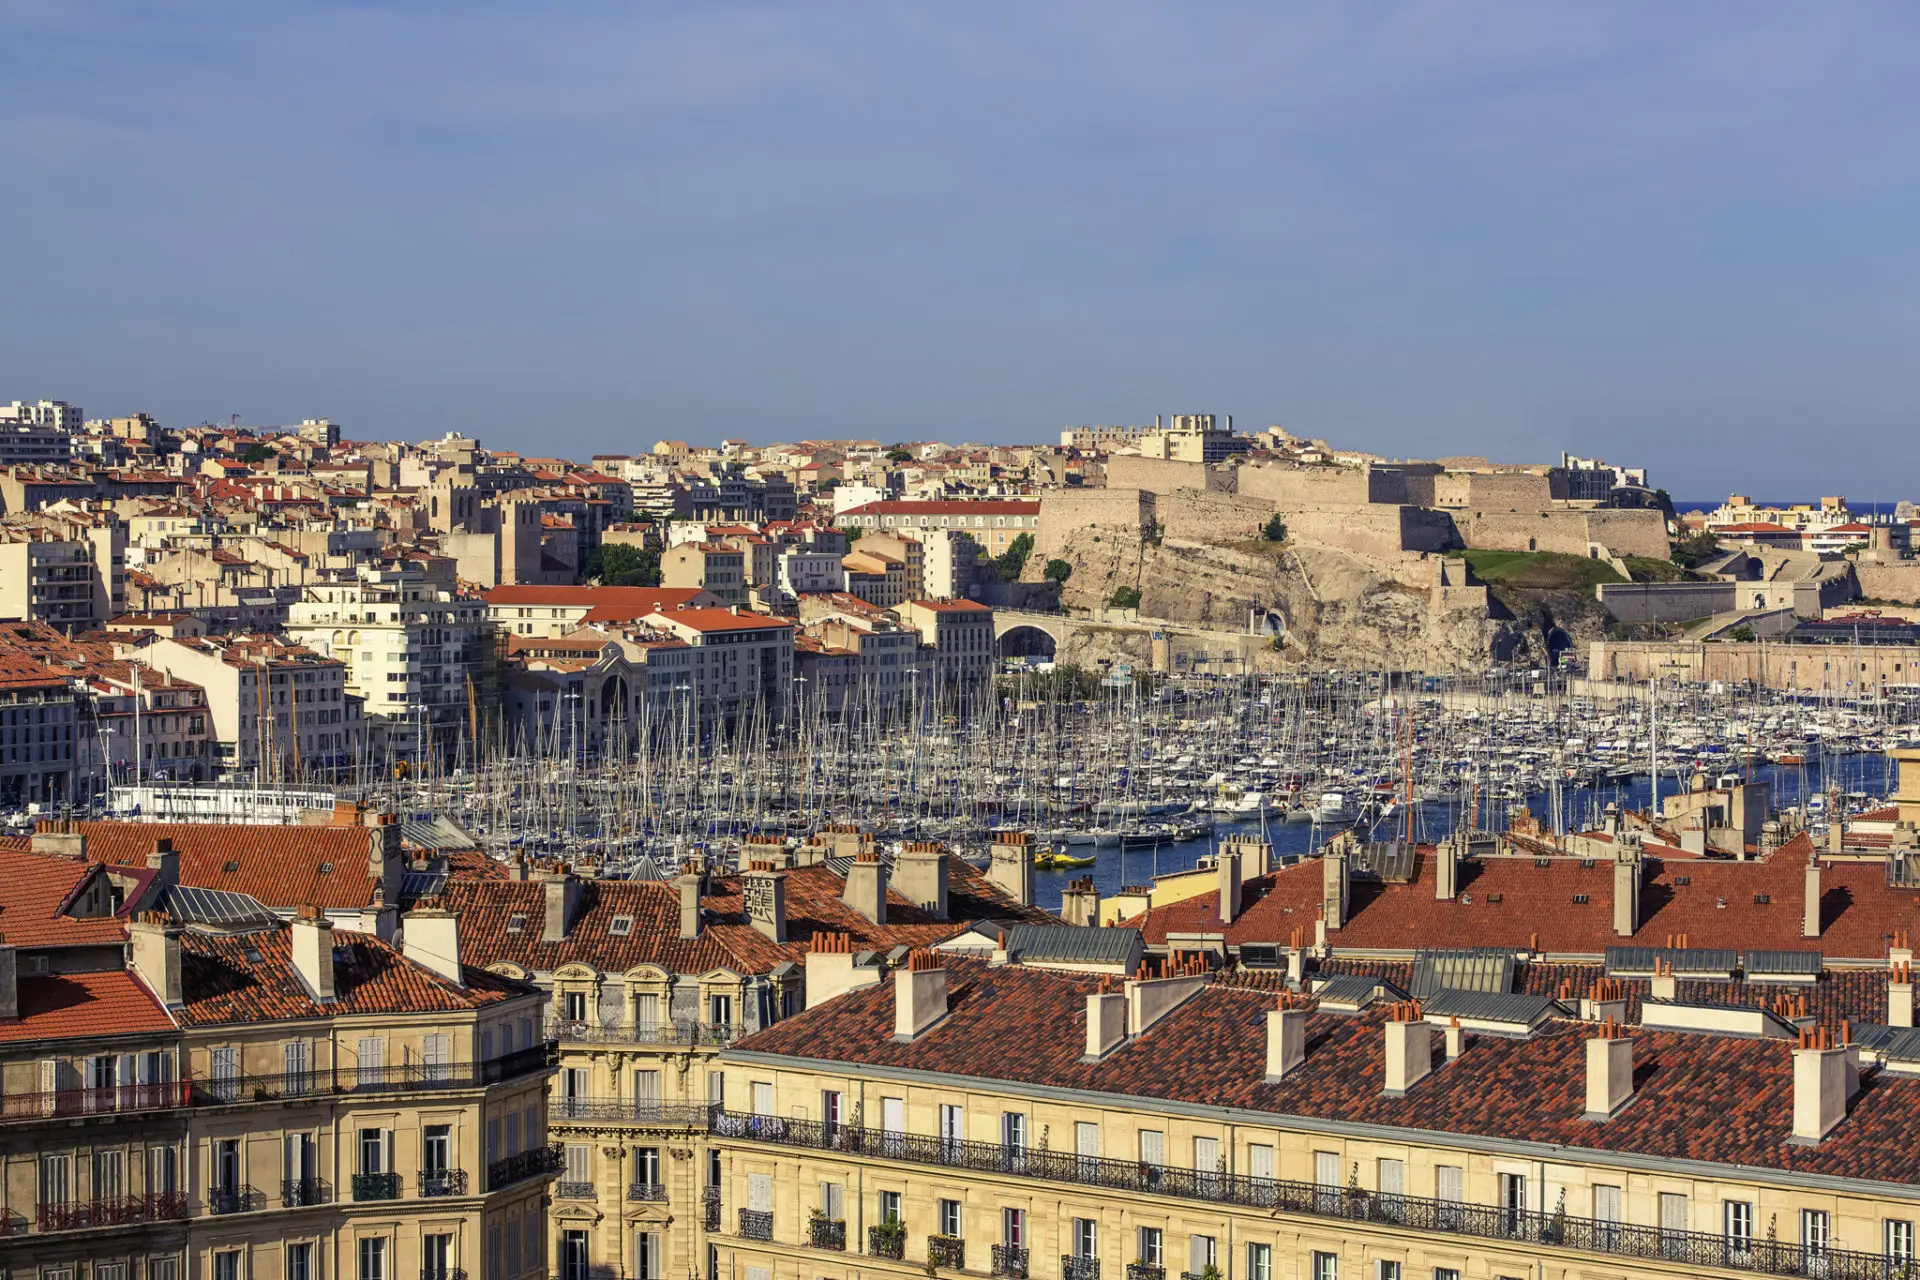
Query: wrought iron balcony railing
{"points": [[683, 1032], [564, 1190], [756, 1224], [827, 1233], [64, 1103], [300, 1192], [947, 1251], [1274, 1195], [114, 1211], [1145, 1271], [376, 1186], [231, 1090], [1072, 1268], [668, 1115], [710, 1206], [528, 1164], [235, 1199], [646, 1191], [1010, 1260], [443, 1182], [883, 1242]]}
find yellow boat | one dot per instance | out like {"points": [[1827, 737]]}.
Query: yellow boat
{"points": [[1060, 861]]}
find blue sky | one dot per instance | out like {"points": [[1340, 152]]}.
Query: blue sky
{"points": [[1686, 236]]}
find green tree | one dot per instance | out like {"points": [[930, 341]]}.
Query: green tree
{"points": [[1126, 598], [897, 454], [1013, 561], [259, 451], [1743, 634], [1691, 550], [621, 565], [1057, 571], [1276, 530]]}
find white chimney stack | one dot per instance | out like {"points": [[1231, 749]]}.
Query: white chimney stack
{"points": [[1900, 996], [1810, 923], [1229, 869], [1409, 1048], [866, 890], [1665, 985], [313, 951], [1454, 1037], [1286, 1039], [1106, 1021], [431, 940], [919, 995], [1819, 1086], [1609, 1072]]}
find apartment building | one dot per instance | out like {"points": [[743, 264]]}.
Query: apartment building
{"points": [[40, 729], [412, 652], [957, 637], [713, 567], [277, 706], [742, 662], [195, 1088], [648, 981], [992, 524], [530, 610], [74, 580]]}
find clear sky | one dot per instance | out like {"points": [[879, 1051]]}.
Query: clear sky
{"points": [[1679, 235]]}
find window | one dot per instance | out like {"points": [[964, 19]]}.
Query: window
{"points": [[646, 1256], [577, 1170], [1260, 1262], [1445, 1273], [646, 1166], [1673, 1224], [1149, 1246], [1738, 1217], [300, 1261], [1606, 1214], [573, 1255], [1153, 1148], [574, 1006], [1260, 1164], [1086, 1238], [1392, 1176], [952, 1130], [762, 1098], [833, 1201], [1013, 1130], [1013, 1228], [226, 1265], [375, 1149], [1326, 1266], [109, 1174], [436, 1148], [1387, 1270], [1207, 1165], [1202, 1252], [436, 1257], [1513, 1200], [720, 1010], [832, 1106], [1814, 1231], [1898, 1237], [373, 1258], [950, 1218]]}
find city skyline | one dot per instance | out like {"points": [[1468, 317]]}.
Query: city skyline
{"points": [[1419, 230]]}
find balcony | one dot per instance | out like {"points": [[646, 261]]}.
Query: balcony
{"points": [[684, 1032], [710, 1207], [644, 1113], [236, 1199], [536, 1163], [303, 1192], [822, 1232], [949, 1252], [1072, 1268], [1145, 1271], [115, 1211], [227, 1091], [67, 1103], [756, 1225], [887, 1241], [376, 1186], [564, 1190], [646, 1191], [443, 1182], [1010, 1260], [1275, 1196]]}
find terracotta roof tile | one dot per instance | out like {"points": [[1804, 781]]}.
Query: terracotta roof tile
{"points": [[279, 865], [73, 1005]]}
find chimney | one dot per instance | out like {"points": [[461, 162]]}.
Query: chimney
{"points": [[920, 873], [1819, 1086], [10, 983], [1409, 1048], [58, 838], [1080, 902], [164, 862], [432, 941], [1286, 1038], [1296, 963], [1106, 1020], [1810, 921], [764, 889], [1229, 885], [1446, 867], [1454, 1037], [1334, 886], [1255, 854], [1010, 866], [1151, 999], [1609, 1072], [919, 995], [831, 971], [1899, 952], [688, 883], [1605, 1001], [563, 893], [1665, 985], [377, 918], [1626, 894], [1900, 996], [866, 890], [313, 951]]}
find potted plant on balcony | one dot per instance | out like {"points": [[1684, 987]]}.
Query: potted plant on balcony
{"points": [[889, 1239]]}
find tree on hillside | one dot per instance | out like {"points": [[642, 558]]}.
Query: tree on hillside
{"points": [[1057, 571], [1276, 530], [620, 565], [1013, 561], [259, 451]]}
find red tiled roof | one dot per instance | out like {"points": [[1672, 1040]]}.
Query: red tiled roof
{"points": [[279, 865], [1716, 906], [720, 620], [1719, 1099], [221, 984], [632, 602], [75, 1005], [34, 891]]}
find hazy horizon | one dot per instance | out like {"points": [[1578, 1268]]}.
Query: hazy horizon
{"points": [[1677, 237]]}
